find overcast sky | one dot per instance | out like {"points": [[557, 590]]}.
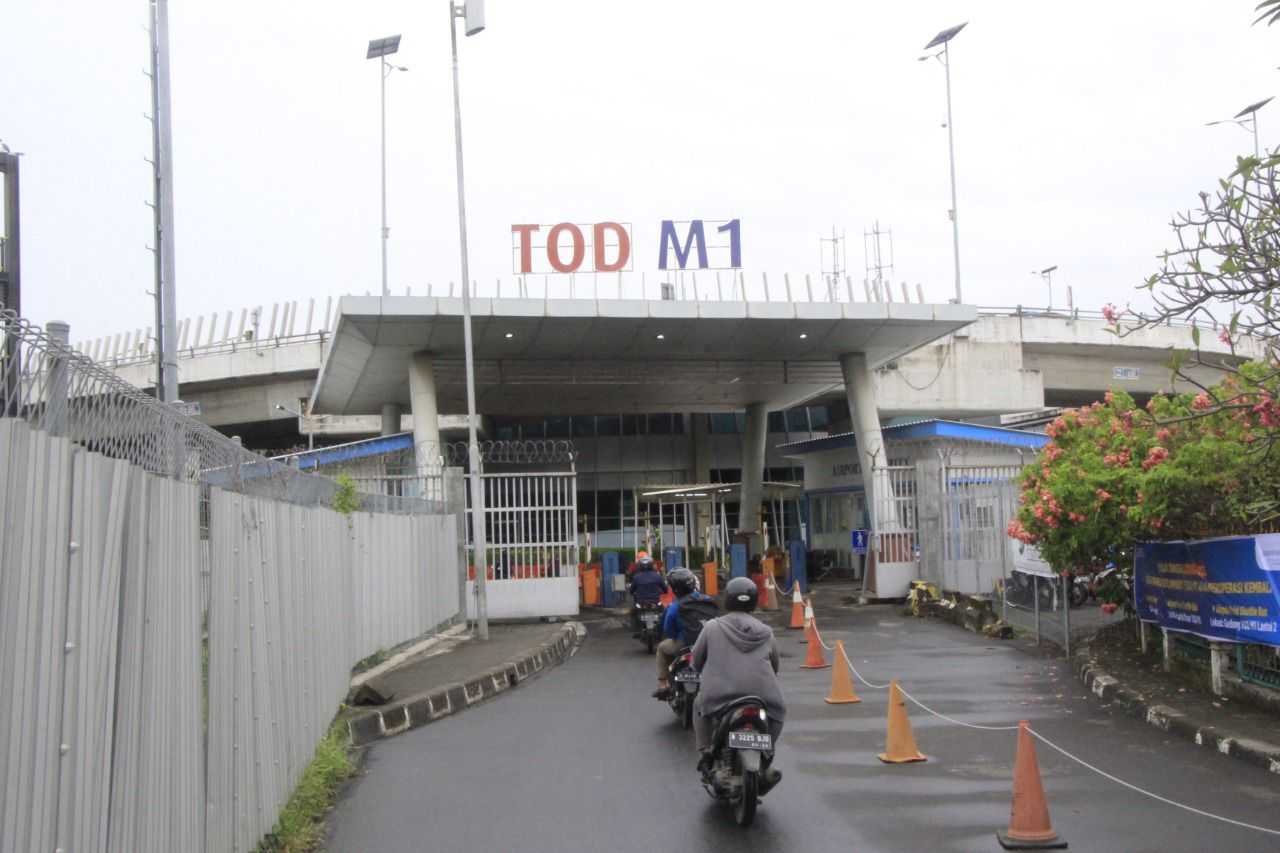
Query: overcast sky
{"points": [[1079, 131]]}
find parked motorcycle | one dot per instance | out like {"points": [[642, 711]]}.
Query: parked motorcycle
{"points": [[1086, 587], [648, 619], [685, 682], [741, 753]]}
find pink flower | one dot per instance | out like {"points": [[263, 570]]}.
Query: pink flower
{"points": [[1202, 402], [1109, 397], [1155, 456], [1163, 434], [1109, 608], [1225, 336], [1110, 314], [1103, 495]]}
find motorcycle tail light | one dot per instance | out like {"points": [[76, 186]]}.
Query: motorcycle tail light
{"points": [[688, 659], [754, 713]]}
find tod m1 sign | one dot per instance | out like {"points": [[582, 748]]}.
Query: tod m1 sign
{"points": [[567, 247]]}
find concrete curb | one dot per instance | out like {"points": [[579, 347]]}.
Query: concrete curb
{"points": [[1171, 720], [421, 709]]}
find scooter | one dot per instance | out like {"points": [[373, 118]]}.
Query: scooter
{"points": [[685, 682], [741, 754], [649, 620]]}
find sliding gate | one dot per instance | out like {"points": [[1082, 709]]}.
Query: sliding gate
{"points": [[531, 542]]}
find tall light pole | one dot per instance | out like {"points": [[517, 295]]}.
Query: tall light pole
{"points": [[1246, 117], [472, 12], [162, 163], [380, 49], [943, 39], [1047, 275]]}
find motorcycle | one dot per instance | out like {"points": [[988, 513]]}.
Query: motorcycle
{"points": [[649, 621], [685, 682], [1085, 588], [741, 753]]}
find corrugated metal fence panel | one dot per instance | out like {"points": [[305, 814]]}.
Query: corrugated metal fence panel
{"points": [[100, 508], [36, 487], [158, 767]]}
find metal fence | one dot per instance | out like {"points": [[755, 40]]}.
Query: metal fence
{"points": [[115, 510]]}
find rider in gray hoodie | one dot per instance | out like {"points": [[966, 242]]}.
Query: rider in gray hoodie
{"points": [[737, 657]]}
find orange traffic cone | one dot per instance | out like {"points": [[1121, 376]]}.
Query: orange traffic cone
{"points": [[1029, 827], [814, 658], [841, 685], [770, 600], [899, 744], [797, 607]]}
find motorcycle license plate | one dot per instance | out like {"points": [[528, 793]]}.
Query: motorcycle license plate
{"points": [[750, 740], [649, 619], [688, 676]]}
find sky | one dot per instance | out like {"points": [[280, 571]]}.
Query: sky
{"points": [[1079, 131]]}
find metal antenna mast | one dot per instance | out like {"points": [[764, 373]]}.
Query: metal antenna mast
{"points": [[839, 262], [879, 265]]}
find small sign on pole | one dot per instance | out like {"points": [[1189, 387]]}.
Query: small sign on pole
{"points": [[859, 541]]}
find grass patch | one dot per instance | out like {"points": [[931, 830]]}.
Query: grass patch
{"points": [[301, 824], [364, 664]]}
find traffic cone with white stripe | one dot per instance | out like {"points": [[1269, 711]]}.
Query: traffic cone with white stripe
{"points": [[1029, 827], [814, 658], [797, 607], [770, 600]]}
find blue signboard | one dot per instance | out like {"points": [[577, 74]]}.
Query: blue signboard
{"points": [[1223, 589], [860, 541]]}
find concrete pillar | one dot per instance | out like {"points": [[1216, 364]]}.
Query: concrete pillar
{"points": [[866, 433], [753, 453], [701, 471], [422, 400], [391, 418], [58, 381], [1218, 664]]}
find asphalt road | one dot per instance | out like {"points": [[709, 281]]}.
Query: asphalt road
{"points": [[581, 759]]}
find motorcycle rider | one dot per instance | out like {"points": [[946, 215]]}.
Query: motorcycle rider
{"points": [[646, 586], [737, 656], [682, 623]]}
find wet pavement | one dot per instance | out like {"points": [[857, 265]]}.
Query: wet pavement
{"points": [[582, 759]]}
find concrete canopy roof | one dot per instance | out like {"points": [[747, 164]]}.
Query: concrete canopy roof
{"points": [[582, 356]]}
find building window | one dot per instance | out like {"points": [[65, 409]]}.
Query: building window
{"points": [[609, 424], [633, 424], [798, 419], [725, 423], [777, 422], [819, 417], [558, 428], [660, 424], [584, 426]]}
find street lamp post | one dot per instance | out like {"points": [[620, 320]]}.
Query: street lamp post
{"points": [[380, 49], [472, 12], [1250, 115], [1047, 275], [943, 39]]}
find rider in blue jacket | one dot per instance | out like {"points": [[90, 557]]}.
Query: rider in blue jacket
{"points": [[681, 625]]}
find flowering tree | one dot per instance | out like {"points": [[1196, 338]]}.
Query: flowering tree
{"points": [[1185, 467]]}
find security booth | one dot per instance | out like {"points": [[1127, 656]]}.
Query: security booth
{"points": [[946, 491]]}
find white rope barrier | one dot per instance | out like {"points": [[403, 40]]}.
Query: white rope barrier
{"points": [[1051, 745]]}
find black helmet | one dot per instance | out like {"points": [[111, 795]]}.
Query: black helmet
{"points": [[741, 594], [682, 581]]}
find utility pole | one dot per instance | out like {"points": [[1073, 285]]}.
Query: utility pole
{"points": [[162, 205]]}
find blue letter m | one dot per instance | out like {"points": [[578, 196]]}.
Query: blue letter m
{"points": [[682, 254]]}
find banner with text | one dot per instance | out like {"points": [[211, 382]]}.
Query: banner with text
{"points": [[1223, 589]]}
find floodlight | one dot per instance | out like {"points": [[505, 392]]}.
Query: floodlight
{"points": [[473, 12], [383, 47], [946, 35], [1048, 270]]}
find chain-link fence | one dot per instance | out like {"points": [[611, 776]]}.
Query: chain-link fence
{"points": [[63, 393]]}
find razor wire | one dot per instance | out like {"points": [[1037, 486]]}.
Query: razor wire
{"points": [[56, 389], [517, 452], [1046, 742]]}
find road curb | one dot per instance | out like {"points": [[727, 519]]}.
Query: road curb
{"points": [[418, 710], [1168, 719]]}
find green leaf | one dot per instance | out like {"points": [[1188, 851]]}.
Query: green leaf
{"points": [[1195, 336]]}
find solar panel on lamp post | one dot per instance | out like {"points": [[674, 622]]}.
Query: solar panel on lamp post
{"points": [[1047, 275], [1248, 114], [943, 40], [380, 49], [472, 13]]}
